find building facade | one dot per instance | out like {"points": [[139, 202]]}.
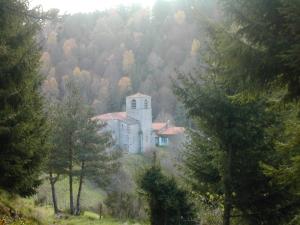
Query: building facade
{"points": [[133, 130]]}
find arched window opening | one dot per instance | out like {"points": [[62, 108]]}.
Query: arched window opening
{"points": [[146, 104], [133, 104]]}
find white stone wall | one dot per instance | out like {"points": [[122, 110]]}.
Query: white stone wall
{"points": [[123, 128], [113, 125], [144, 115], [133, 138]]}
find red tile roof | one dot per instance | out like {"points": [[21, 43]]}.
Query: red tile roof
{"points": [[158, 126], [172, 131], [111, 116]]}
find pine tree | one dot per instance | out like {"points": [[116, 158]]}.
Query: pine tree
{"points": [[259, 44], [253, 50], [56, 165], [95, 155], [22, 132], [234, 136], [79, 149], [167, 202], [262, 53], [70, 118]]}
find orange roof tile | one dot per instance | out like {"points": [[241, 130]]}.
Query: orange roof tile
{"points": [[158, 126], [172, 131], [111, 116]]}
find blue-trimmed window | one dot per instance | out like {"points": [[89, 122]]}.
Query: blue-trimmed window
{"points": [[164, 140]]}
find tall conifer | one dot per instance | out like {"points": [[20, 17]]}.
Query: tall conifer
{"points": [[22, 133]]}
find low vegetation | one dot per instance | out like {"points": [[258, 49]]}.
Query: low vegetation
{"points": [[15, 210], [237, 92]]}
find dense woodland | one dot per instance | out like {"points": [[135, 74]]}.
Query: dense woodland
{"points": [[226, 70], [123, 51]]}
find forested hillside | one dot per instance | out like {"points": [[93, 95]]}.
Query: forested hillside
{"points": [[226, 71], [123, 51]]}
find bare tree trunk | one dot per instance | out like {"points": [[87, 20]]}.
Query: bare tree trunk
{"points": [[71, 179], [227, 211], [80, 188], [100, 210], [54, 199], [227, 188]]}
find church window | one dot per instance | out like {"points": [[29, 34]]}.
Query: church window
{"points": [[133, 104], [146, 104]]}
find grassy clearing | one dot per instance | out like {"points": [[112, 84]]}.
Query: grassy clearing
{"points": [[133, 165], [21, 211], [89, 218], [90, 198], [91, 194]]}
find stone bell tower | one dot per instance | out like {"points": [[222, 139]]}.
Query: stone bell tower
{"points": [[138, 107]]}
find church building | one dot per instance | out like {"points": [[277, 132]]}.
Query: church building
{"points": [[133, 130]]}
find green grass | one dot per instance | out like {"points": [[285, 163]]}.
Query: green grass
{"points": [[89, 218], [26, 213], [91, 194], [30, 214], [132, 164], [90, 198]]}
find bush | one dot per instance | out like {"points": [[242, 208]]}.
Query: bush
{"points": [[124, 205], [168, 204]]}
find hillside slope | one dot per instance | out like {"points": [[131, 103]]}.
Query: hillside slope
{"points": [[16, 210], [25, 211], [20, 211]]}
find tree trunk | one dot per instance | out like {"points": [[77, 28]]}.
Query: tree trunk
{"points": [[227, 188], [71, 179], [54, 199], [80, 188], [227, 211], [100, 210]]}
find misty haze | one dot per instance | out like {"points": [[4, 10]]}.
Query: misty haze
{"points": [[154, 112]]}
